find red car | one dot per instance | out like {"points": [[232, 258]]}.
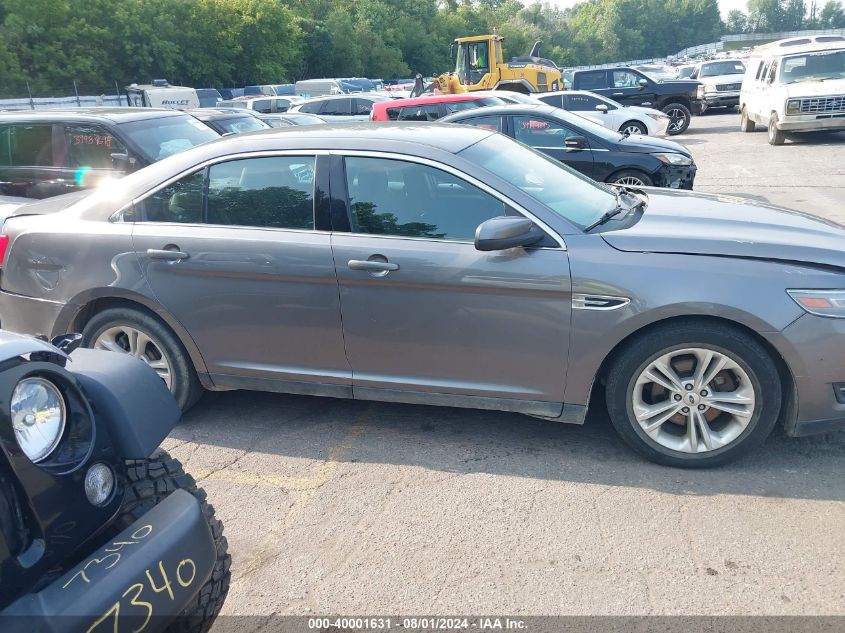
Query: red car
{"points": [[429, 107]]}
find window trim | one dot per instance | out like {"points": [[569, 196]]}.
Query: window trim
{"points": [[458, 174], [116, 216]]}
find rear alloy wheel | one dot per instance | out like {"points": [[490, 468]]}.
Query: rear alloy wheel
{"points": [[679, 118], [776, 136], [633, 127], [693, 396], [131, 331], [745, 122], [631, 178]]}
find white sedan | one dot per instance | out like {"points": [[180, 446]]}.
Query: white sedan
{"points": [[609, 113]]}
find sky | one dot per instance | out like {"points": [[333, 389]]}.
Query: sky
{"points": [[724, 5]]}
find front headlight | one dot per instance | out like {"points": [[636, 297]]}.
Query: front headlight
{"points": [[38, 417], [657, 117], [826, 303], [674, 159], [699, 92], [793, 106]]}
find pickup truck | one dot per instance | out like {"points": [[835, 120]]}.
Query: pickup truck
{"points": [[678, 99]]}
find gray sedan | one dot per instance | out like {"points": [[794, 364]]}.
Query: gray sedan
{"points": [[448, 265]]}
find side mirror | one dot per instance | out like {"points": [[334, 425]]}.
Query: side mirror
{"points": [[575, 142], [602, 107], [498, 234], [122, 162], [643, 83]]}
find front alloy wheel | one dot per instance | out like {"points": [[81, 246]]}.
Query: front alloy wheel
{"points": [[693, 393], [693, 400], [132, 341]]}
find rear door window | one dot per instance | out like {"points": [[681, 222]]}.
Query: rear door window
{"points": [[337, 107], [311, 108], [541, 133], [492, 123], [592, 80], [583, 103], [419, 113], [552, 100], [28, 145], [273, 192], [457, 106], [179, 202], [91, 146]]}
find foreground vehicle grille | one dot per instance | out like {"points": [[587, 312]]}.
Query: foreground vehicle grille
{"points": [[823, 104], [727, 87]]}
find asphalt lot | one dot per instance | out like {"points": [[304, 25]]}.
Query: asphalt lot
{"points": [[338, 507]]}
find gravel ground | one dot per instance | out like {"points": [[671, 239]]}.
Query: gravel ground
{"points": [[361, 508]]}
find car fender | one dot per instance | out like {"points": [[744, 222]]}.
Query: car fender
{"points": [[128, 397]]}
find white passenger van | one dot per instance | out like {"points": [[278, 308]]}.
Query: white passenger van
{"points": [[795, 85], [318, 88]]}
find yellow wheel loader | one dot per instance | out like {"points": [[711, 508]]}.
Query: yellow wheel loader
{"points": [[480, 65]]}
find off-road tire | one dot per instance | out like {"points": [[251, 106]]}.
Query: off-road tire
{"points": [[746, 123], [150, 481], [185, 386], [776, 136], [631, 359], [687, 117]]}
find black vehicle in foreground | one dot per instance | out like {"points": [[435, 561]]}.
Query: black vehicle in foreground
{"points": [[588, 147], [229, 120], [51, 152], [95, 523], [677, 98]]}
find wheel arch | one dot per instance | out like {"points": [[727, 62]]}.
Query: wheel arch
{"points": [[637, 121], [95, 301], [789, 398]]}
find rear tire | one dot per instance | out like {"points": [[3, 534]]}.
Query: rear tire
{"points": [[631, 178], [184, 384], [776, 136], [679, 116], [746, 124], [754, 379], [150, 481]]}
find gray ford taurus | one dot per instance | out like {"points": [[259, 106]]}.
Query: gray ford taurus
{"points": [[447, 265]]}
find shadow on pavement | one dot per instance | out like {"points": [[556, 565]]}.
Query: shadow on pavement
{"points": [[465, 441]]}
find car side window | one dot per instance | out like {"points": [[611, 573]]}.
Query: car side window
{"points": [[540, 132], [28, 145], [179, 202], [273, 192], [773, 71], [363, 106], [91, 146], [457, 106], [394, 197], [262, 105], [393, 113], [556, 101], [311, 108], [419, 113], [337, 107], [492, 123], [625, 79], [592, 80]]}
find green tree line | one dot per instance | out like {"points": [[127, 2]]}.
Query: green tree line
{"points": [[49, 44], [772, 16]]}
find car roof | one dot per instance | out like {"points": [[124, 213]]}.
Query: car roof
{"points": [[115, 115], [807, 44]]}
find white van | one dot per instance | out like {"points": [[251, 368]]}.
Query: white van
{"points": [[795, 85], [318, 88], [161, 94]]}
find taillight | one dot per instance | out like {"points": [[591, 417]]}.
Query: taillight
{"points": [[4, 244]]}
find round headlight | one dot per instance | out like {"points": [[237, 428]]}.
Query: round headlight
{"points": [[38, 417]]}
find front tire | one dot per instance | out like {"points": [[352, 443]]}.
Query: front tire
{"points": [[746, 124], [679, 118], [692, 395], [150, 481], [633, 127], [134, 332], [631, 178], [776, 136]]}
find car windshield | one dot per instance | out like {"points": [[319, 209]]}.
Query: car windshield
{"points": [[716, 69], [160, 138], [563, 190], [813, 67]]}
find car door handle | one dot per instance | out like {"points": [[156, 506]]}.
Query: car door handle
{"points": [[166, 254], [618, 94], [372, 266]]}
